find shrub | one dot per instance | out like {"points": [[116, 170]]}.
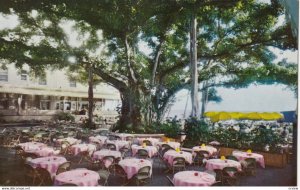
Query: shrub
{"points": [[196, 131], [66, 116]]}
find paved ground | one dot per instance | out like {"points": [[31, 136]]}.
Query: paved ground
{"points": [[12, 173]]}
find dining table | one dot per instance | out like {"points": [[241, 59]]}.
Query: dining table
{"points": [[119, 143], [213, 164], [98, 139], [31, 145], [152, 150], [79, 177], [153, 141], [174, 145], [193, 178], [77, 148], [50, 163], [241, 156], [132, 165], [98, 155], [171, 154], [43, 151], [210, 149]]}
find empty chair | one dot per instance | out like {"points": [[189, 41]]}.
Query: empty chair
{"points": [[111, 146], [117, 170], [104, 175], [147, 142], [230, 176], [84, 155], [106, 161], [170, 181], [63, 167], [249, 166], [142, 153], [30, 174], [231, 157], [178, 163], [123, 151], [19, 151], [200, 157], [112, 137], [143, 175], [166, 150], [44, 177]]}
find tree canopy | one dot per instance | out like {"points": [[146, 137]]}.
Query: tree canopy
{"points": [[234, 40]]}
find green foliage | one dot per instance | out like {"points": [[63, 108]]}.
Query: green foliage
{"points": [[66, 116], [170, 128], [196, 131], [263, 137]]}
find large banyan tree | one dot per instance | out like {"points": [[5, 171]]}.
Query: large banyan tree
{"points": [[233, 46]]}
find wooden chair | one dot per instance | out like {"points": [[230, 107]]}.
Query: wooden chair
{"points": [[170, 181], [30, 174], [142, 153], [19, 151], [44, 177], [105, 159], [111, 146], [249, 166], [117, 170], [143, 175], [231, 157], [178, 163], [230, 176], [84, 155], [147, 142], [63, 167], [200, 157], [104, 175]]}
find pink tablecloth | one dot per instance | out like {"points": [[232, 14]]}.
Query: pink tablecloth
{"points": [[171, 154], [220, 164], [70, 140], [43, 151], [31, 145], [243, 155], [77, 148], [153, 141], [193, 178], [210, 149], [132, 166], [98, 139], [174, 145], [98, 155], [119, 144], [80, 177], [123, 136], [50, 163], [152, 150]]}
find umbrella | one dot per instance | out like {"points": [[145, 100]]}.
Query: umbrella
{"points": [[210, 113], [236, 115], [252, 116], [271, 116], [221, 116]]}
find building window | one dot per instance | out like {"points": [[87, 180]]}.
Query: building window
{"points": [[23, 76], [3, 75], [42, 82], [45, 105], [72, 83]]}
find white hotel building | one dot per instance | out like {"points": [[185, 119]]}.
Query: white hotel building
{"points": [[23, 97]]}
